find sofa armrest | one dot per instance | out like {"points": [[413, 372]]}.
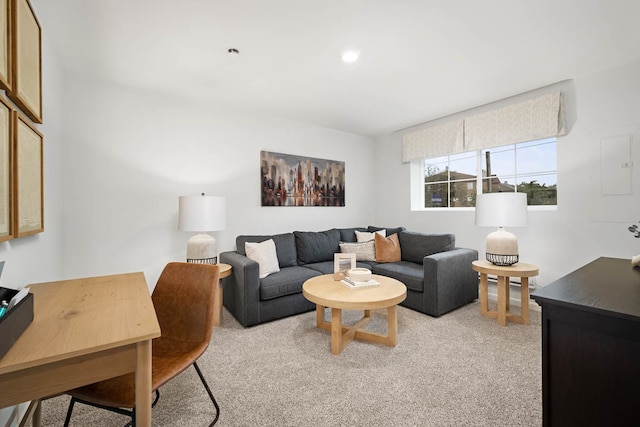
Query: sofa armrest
{"points": [[449, 280], [242, 288]]}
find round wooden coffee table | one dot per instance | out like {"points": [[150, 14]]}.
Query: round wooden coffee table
{"points": [[326, 292]]}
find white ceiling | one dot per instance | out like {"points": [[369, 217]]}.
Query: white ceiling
{"points": [[420, 59]]}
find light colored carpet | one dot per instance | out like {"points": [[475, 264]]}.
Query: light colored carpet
{"points": [[461, 369]]}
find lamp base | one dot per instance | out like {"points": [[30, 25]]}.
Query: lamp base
{"points": [[212, 261], [502, 248], [502, 260], [202, 249]]}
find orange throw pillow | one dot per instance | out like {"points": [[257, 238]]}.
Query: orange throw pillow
{"points": [[387, 248]]}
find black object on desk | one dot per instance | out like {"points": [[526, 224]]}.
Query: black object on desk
{"points": [[15, 321], [591, 345]]}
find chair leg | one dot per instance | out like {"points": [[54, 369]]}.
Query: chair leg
{"points": [[130, 413], [133, 418], [153, 405], [213, 399], [68, 417]]}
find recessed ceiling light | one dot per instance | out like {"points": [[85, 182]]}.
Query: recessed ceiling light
{"points": [[350, 56]]}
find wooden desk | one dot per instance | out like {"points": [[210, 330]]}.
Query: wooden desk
{"points": [[591, 345], [519, 269], [83, 331]]}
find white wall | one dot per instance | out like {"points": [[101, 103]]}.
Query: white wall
{"points": [[129, 154], [586, 224]]}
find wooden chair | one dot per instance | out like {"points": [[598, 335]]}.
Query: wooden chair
{"points": [[183, 300]]}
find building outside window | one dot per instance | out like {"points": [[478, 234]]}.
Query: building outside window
{"points": [[529, 167]]}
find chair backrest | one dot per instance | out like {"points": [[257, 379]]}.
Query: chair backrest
{"points": [[183, 300]]}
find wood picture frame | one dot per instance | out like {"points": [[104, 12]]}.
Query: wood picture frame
{"points": [[6, 29], [26, 60], [342, 263], [6, 168], [28, 177]]}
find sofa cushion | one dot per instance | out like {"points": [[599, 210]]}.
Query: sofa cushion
{"points": [[390, 230], [316, 246], [365, 264], [387, 248], [264, 253], [415, 246], [285, 247], [365, 251], [409, 273], [349, 234], [325, 267], [287, 281]]}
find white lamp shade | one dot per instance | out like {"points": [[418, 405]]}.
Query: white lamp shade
{"points": [[501, 210], [202, 213]]}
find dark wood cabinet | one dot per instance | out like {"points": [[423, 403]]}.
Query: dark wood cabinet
{"points": [[591, 346]]}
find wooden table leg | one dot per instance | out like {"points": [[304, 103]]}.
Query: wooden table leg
{"points": [[484, 294], [507, 287], [143, 384], [37, 415], [336, 330], [33, 414], [502, 302], [524, 300], [392, 325], [217, 305], [319, 315]]}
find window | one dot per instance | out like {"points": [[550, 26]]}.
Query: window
{"points": [[529, 167], [450, 181]]}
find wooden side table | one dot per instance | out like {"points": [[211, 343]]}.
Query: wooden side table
{"points": [[225, 271], [520, 269]]}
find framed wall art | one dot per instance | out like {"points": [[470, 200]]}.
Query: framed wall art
{"points": [[5, 44], [29, 196], [291, 180], [26, 60], [6, 166]]}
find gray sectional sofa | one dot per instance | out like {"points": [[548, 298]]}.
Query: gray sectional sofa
{"points": [[437, 274]]}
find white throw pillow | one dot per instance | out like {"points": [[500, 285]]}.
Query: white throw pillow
{"points": [[365, 251], [365, 236], [264, 253]]}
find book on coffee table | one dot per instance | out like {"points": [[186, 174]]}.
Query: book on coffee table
{"points": [[359, 285]]}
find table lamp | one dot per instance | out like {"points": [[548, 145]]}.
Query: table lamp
{"points": [[501, 210], [202, 214]]}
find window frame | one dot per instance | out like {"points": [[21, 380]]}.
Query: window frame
{"points": [[417, 176]]}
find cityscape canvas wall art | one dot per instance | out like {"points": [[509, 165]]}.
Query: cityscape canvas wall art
{"points": [[291, 180]]}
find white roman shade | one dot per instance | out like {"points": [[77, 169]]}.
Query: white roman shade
{"points": [[536, 118], [434, 141]]}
